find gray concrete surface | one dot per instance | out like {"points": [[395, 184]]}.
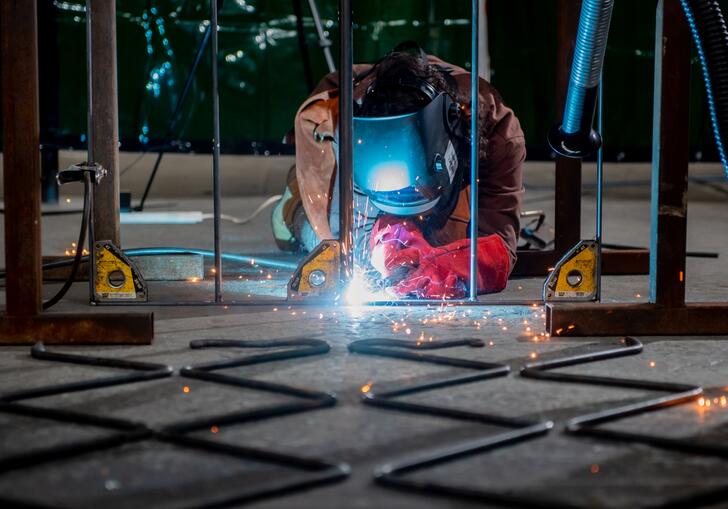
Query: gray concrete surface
{"points": [[557, 468]]}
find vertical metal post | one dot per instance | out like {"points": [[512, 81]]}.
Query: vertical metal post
{"points": [[346, 148], [48, 79], [567, 222], [216, 191], [90, 153], [484, 64], [600, 188], [670, 156], [474, 149], [324, 41], [103, 128], [21, 168]]}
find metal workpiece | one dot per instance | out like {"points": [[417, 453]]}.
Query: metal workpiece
{"points": [[311, 472], [394, 474]]}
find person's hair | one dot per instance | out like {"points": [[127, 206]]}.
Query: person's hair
{"points": [[392, 100]]}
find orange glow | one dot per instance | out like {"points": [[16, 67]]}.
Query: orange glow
{"points": [[185, 389], [533, 355], [214, 429], [652, 364], [366, 388], [682, 276], [594, 469]]}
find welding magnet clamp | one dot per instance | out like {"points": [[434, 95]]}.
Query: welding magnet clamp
{"points": [[318, 275]]}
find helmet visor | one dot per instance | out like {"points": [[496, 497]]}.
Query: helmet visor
{"points": [[399, 161]]}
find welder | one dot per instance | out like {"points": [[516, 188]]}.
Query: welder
{"points": [[411, 176]]}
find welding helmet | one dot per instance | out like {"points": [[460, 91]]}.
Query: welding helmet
{"points": [[408, 164]]}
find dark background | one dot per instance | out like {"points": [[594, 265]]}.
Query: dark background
{"points": [[262, 74]]}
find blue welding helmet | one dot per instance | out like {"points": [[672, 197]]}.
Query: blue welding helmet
{"points": [[408, 164]]}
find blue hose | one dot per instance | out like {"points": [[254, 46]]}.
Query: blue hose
{"points": [[705, 16], [261, 262]]}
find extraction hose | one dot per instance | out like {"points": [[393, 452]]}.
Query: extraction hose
{"points": [[575, 137], [711, 40]]}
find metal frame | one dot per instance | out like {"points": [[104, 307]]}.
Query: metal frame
{"points": [[667, 312], [395, 474], [23, 321], [314, 472]]}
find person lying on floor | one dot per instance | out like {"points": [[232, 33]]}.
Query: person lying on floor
{"points": [[411, 176]]}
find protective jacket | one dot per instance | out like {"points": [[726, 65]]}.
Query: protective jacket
{"points": [[500, 187]]}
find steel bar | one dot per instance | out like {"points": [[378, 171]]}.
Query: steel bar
{"points": [[21, 158], [346, 147], [103, 127], [48, 79], [79, 328], [314, 472], [323, 40], [615, 262], [474, 146], [670, 156], [216, 190], [708, 318]]}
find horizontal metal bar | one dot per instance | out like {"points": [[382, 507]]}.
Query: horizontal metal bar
{"points": [[78, 328]]}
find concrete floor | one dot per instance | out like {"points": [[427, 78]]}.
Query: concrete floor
{"points": [[557, 468]]}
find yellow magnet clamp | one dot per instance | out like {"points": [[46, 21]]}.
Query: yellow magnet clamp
{"points": [[116, 278], [318, 274], [575, 277]]}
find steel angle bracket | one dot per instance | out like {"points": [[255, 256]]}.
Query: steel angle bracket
{"points": [[115, 277], [318, 275], [576, 277]]}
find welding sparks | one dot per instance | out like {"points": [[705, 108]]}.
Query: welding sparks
{"points": [[360, 291], [366, 388]]}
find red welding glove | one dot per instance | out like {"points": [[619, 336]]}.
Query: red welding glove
{"points": [[396, 246], [444, 272]]}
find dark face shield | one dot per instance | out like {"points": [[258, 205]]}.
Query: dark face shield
{"points": [[407, 164]]}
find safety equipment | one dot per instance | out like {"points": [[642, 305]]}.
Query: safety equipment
{"points": [[400, 251], [408, 164]]}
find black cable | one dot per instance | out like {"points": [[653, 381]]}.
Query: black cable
{"points": [[79, 245]]}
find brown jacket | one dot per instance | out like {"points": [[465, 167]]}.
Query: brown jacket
{"points": [[500, 187]]}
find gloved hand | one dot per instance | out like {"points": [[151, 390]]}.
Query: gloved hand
{"points": [[396, 246], [400, 250], [445, 271]]}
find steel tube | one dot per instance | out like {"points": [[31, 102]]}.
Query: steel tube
{"points": [[346, 149], [600, 188], [21, 169], [103, 128], [216, 191], [90, 153], [474, 151]]}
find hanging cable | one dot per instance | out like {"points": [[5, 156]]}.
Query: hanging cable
{"points": [[76, 261]]}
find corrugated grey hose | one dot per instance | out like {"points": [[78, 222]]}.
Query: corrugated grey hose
{"points": [[575, 137]]}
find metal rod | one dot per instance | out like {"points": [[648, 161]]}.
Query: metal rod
{"points": [[600, 188], [346, 149], [216, 191], [324, 41], [90, 146], [474, 152]]}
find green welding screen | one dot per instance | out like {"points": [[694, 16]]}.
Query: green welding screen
{"points": [[269, 60]]}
